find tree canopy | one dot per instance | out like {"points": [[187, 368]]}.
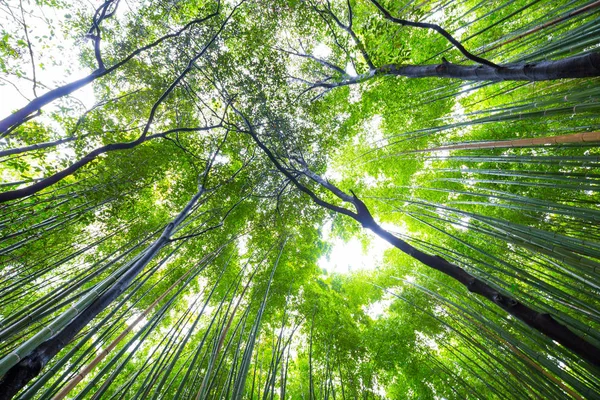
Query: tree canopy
{"points": [[177, 177]]}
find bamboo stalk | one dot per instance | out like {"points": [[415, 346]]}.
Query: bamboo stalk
{"points": [[88, 368], [572, 14], [583, 137]]}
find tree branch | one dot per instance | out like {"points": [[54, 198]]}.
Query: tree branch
{"points": [[287, 174], [17, 118], [439, 30]]}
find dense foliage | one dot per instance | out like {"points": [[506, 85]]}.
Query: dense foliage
{"points": [[177, 173]]}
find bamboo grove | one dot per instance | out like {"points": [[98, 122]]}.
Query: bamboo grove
{"points": [[167, 239]]}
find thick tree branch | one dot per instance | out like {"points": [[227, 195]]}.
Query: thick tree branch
{"points": [[91, 156], [32, 189], [26, 362], [439, 30], [580, 66], [94, 33]]}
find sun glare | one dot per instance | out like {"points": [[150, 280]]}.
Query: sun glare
{"points": [[348, 256]]}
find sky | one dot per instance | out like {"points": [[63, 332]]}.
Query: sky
{"points": [[348, 256]]}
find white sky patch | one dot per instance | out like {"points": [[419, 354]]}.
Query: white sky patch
{"points": [[322, 51], [136, 326], [355, 94], [440, 153], [458, 113], [349, 256], [375, 125], [369, 181], [243, 244], [427, 341], [63, 153], [400, 229], [372, 181], [437, 16], [126, 7], [332, 173], [440, 311], [374, 132], [350, 69], [378, 388], [379, 308], [464, 224], [459, 32], [96, 228], [221, 159]]}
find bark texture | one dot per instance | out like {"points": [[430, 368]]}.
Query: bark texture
{"points": [[582, 66]]}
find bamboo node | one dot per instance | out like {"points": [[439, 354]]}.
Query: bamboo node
{"points": [[16, 355]]}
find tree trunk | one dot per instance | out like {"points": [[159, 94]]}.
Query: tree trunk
{"points": [[582, 66]]}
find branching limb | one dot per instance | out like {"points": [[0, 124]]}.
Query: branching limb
{"points": [[19, 117], [319, 60], [52, 179], [348, 28], [542, 322], [287, 174], [576, 67], [439, 30], [106, 10]]}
